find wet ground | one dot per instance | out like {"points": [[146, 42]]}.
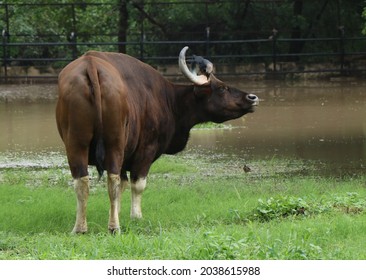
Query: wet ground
{"points": [[320, 122]]}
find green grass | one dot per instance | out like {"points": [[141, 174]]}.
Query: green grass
{"points": [[194, 208], [211, 125]]}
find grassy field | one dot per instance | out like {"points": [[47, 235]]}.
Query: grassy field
{"points": [[194, 208]]}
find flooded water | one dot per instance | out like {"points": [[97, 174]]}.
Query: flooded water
{"points": [[311, 121], [324, 122]]}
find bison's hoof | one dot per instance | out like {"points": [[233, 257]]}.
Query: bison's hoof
{"points": [[114, 231], [136, 215], [79, 230]]}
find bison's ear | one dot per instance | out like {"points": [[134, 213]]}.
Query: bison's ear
{"points": [[202, 91]]}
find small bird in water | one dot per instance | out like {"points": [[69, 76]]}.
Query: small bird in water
{"points": [[201, 66], [246, 168]]}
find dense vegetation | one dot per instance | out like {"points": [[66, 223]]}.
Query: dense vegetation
{"points": [[128, 22]]}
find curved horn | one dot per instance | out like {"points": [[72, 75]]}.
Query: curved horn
{"points": [[196, 79]]}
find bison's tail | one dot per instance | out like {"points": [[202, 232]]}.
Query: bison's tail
{"points": [[99, 153], [96, 93]]}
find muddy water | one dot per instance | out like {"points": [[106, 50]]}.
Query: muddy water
{"points": [[324, 122]]}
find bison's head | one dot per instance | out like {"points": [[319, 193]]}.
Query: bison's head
{"points": [[219, 101]]}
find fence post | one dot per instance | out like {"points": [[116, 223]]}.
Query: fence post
{"points": [[274, 48], [341, 49], [73, 39], [142, 31], [207, 31], [74, 48], [208, 42], [5, 35]]}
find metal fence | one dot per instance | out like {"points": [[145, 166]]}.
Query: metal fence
{"points": [[27, 57]]}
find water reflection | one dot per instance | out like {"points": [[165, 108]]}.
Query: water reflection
{"points": [[317, 121]]}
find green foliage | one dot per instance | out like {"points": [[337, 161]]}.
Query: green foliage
{"points": [[289, 206], [280, 208], [220, 247], [211, 125], [350, 203], [364, 18]]}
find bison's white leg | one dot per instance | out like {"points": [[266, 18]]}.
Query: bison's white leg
{"points": [[124, 186], [137, 189], [114, 191], [81, 187]]}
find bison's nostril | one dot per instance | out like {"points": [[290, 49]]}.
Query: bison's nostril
{"points": [[252, 97]]}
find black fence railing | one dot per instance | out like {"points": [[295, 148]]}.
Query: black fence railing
{"points": [[272, 63]]}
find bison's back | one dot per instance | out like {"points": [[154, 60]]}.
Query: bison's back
{"points": [[91, 111]]}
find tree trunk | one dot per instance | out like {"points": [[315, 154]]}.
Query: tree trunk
{"points": [[296, 46], [122, 26]]}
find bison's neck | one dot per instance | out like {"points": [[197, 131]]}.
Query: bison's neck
{"points": [[186, 114], [188, 109]]}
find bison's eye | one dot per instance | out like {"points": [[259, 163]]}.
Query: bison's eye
{"points": [[224, 89]]}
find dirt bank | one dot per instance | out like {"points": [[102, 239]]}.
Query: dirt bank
{"points": [[28, 93]]}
